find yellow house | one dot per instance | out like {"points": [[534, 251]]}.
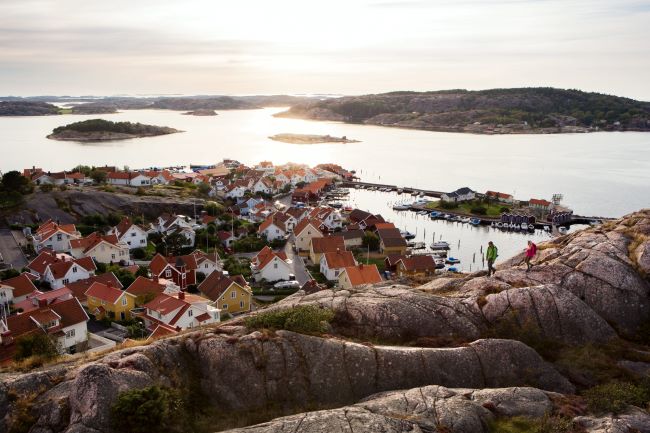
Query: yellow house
{"points": [[304, 232], [230, 294], [108, 301], [320, 245]]}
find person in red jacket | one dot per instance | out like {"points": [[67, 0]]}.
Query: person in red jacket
{"points": [[530, 253]]}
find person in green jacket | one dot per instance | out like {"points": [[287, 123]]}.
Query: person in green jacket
{"points": [[491, 255]]}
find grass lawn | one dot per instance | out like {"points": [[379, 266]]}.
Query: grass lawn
{"points": [[493, 209], [379, 261]]}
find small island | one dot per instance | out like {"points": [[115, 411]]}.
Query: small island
{"points": [[201, 112], [310, 139], [105, 130]]}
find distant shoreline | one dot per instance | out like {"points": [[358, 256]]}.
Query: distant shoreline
{"points": [[310, 139]]}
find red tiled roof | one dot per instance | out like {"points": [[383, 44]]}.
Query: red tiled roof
{"points": [[71, 311], [165, 304], [539, 202], [92, 240], [59, 269], [217, 283], [142, 286], [340, 259], [418, 263], [328, 244], [304, 223], [498, 194], [162, 330], [363, 274], [79, 287], [22, 284], [104, 292]]}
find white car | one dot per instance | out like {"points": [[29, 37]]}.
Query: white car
{"points": [[287, 285]]}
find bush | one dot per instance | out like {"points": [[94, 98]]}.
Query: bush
{"points": [[63, 187], [39, 345], [448, 204], [303, 319], [617, 396], [139, 254], [47, 187], [504, 209], [522, 424], [144, 410], [479, 210]]}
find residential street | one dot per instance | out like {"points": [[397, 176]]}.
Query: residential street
{"points": [[10, 251], [297, 263]]}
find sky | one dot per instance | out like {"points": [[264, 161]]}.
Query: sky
{"points": [[98, 47]]}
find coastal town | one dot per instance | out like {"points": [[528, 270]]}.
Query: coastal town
{"points": [[260, 234]]}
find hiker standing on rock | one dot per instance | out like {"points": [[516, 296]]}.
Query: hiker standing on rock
{"points": [[491, 255], [530, 254]]}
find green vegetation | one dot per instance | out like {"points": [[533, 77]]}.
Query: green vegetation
{"points": [[236, 266], [149, 409], [39, 346], [303, 319], [370, 240], [249, 244], [615, 396], [13, 187], [473, 207], [522, 424], [100, 125]]}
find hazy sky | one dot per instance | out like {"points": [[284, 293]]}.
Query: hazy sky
{"points": [[349, 46]]}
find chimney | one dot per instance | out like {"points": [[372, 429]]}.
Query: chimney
{"points": [[155, 278], [42, 303], [109, 284], [181, 295]]}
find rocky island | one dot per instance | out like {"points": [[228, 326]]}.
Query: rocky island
{"points": [[495, 111], [310, 139], [104, 130], [201, 112]]}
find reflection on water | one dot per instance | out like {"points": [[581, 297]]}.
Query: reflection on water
{"points": [[606, 174]]}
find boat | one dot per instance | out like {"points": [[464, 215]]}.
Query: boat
{"points": [[362, 187], [452, 261], [414, 193], [475, 221], [348, 208], [498, 225], [546, 228], [447, 216], [421, 194], [435, 214], [423, 212], [336, 204], [400, 190], [455, 218], [513, 226], [416, 245], [407, 235], [440, 263], [401, 207], [465, 220], [441, 245], [524, 226], [357, 186], [562, 229], [452, 269]]}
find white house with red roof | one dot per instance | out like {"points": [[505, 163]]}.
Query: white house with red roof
{"points": [[359, 275], [237, 189], [541, 204], [103, 249], [332, 264], [128, 178], [180, 311], [39, 299], [46, 257], [64, 321], [66, 271], [54, 236], [273, 227], [264, 185], [330, 217], [17, 289], [130, 233], [270, 266], [304, 231]]}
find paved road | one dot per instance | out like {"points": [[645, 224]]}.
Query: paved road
{"points": [[297, 264], [10, 251]]}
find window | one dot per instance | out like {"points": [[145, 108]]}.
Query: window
{"points": [[124, 300], [142, 241], [74, 269], [190, 313], [69, 334], [65, 281], [58, 237], [233, 294], [128, 242], [168, 273], [113, 256], [224, 307], [241, 304], [133, 234]]}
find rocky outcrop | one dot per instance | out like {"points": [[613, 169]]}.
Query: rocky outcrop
{"points": [[242, 371]]}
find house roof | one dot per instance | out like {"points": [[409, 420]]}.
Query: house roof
{"points": [[49, 228], [381, 226], [418, 263], [125, 225], [278, 219], [165, 304], [105, 292], [539, 202], [266, 256], [352, 234], [22, 284], [498, 194], [302, 225], [391, 237], [124, 175], [328, 244], [296, 212], [339, 259], [358, 215], [92, 240], [312, 286], [392, 259], [70, 311], [363, 274], [162, 330], [217, 283], [79, 287], [60, 268], [142, 286]]}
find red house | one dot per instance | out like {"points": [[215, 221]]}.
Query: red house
{"points": [[180, 269]]}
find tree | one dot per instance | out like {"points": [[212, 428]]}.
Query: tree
{"points": [[145, 410], [370, 240], [213, 208], [203, 189], [98, 176], [35, 345], [13, 181]]}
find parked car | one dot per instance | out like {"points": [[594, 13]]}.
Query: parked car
{"points": [[293, 284]]}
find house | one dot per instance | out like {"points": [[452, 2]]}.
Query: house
{"points": [[364, 220], [79, 287], [311, 192], [39, 299], [539, 204], [460, 195], [132, 234], [175, 224], [391, 260], [359, 275], [265, 166], [64, 321], [328, 244], [107, 301], [274, 227], [270, 266], [304, 231], [416, 266], [145, 289], [131, 178], [330, 217], [391, 241], [159, 177], [103, 249], [54, 236], [236, 189], [332, 264], [63, 272], [17, 289], [226, 238], [264, 185], [298, 213], [312, 286], [230, 294], [179, 311], [181, 269], [500, 196], [207, 263], [353, 238]]}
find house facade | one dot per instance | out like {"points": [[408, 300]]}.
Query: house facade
{"points": [[332, 264], [354, 276], [304, 232], [107, 301], [102, 249], [54, 236], [460, 195], [229, 294], [131, 234]]}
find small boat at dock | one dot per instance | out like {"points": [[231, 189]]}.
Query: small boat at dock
{"points": [[475, 221], [452, 261], [423, 212], [441, 245], [407, 235], [400, 190], [401, 207], [416, 245]]}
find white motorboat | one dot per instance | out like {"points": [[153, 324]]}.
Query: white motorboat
{"points": [[401, 207], [441, 245], [562, 229], [524, 226], [498, 225], [407, 235]]}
